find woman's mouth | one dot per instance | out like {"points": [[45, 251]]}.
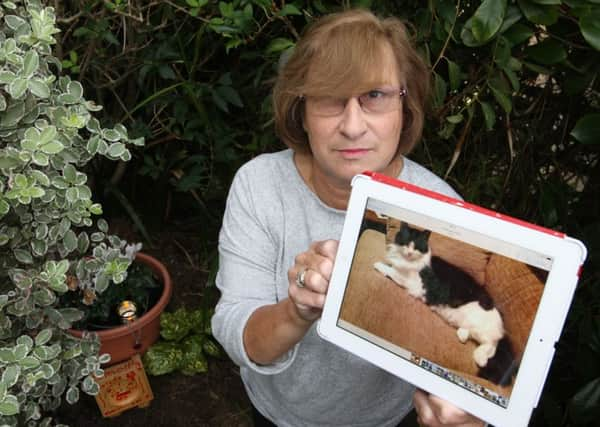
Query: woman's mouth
{"points": [[353, 153]]}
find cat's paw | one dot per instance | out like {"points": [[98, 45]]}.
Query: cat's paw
{"points": [[462, 334], [483, 353], [382, 268]]}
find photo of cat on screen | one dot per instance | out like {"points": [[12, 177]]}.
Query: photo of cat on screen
{"points": [[454, 295], [460, 311]]}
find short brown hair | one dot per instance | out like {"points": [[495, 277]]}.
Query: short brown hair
{"points": [[343, 52]]}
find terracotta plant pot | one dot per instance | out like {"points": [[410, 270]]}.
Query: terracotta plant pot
{"points": [[122, 342]]}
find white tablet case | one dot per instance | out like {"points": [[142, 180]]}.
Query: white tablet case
{"points": [[518, 263]]}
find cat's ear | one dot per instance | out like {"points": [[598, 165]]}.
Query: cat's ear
{"points": [[427, 233]]}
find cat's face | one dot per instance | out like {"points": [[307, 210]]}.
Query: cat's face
{"points": [[410, 243]]}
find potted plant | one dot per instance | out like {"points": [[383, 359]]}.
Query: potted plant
{"points": [[50, 242], [148, 290]]}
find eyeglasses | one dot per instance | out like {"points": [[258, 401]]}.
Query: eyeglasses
{"points": [[375, 101]]}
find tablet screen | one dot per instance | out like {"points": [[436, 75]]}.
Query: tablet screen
{"points": [[452, 301]]}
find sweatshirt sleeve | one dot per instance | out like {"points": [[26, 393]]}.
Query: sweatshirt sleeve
{"points": [[246, 277]]}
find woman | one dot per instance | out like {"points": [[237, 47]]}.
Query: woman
{"points": [[349, 99]]}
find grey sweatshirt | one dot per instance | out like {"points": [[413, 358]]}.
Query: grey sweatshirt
{"points": [[271, 216]]}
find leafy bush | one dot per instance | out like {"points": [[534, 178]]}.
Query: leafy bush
{"points": [[49, 244], [512, 123], [186, 341]]}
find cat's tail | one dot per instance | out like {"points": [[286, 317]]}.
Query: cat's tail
{"points": [[501, 368]]}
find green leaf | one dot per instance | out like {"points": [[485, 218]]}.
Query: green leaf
{"points": [[20, 351], [18, 87], [75, 90], [43, 336], [489, 115], [40, 158], [10, 376], [4, 207], [547, 1], [31, 63], [502, 98], [587, 129], [289, 9], [52, 147], [230, 95], [13, 114], [440, 90], [511, 17], [586, 403], [116, 149], [547, 52], [457, 118], [488, 19], [7, 356], [279, 44], [14, 22], [518, 33], [70, 241], [23, 256], [29, 362], [71, 315], [70, 173], [539, 14], [72, 395], [111, 135], [9, 406], [590, 28], [453, 75]]}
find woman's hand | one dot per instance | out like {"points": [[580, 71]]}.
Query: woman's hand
{"points": [[435, 412], [315, 267]]}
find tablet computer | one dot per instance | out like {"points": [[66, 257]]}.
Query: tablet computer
{"points": [[463, 302]]}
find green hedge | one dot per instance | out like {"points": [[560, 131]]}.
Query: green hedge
{"points": [[513, 123]]}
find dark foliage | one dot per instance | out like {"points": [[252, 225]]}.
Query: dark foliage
{"points": [[513, 123]]}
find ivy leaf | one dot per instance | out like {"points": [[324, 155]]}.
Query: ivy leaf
{"points": [[489, 115], [590, 28], [539, 13], [587, 129], [279, 44], [230, 95], [488, 19], [518, 33], [453, 75], [548, 52], [586, 403], [440, 90], [502, 98], [289, 9]]}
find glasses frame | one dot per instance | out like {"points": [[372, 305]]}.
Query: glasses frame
{"points": [[402, 92]]}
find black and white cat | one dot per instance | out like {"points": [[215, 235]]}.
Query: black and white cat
{"points": [[454, 295]]}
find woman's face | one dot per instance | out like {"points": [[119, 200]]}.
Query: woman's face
{"points": [[354, 140]]}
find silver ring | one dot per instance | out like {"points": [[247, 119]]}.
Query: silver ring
{"points": [[300, 278]]}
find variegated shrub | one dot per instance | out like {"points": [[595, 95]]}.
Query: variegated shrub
{"points": [[49, 241]]}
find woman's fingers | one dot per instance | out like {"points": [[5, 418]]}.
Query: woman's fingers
{"points": [[433, 411], [309, 277]]}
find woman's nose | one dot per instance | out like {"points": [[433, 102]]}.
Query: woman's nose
{"points": [[353, 123]]}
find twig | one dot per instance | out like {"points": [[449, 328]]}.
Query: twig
{"points": [[441, 55], [187, 255]]}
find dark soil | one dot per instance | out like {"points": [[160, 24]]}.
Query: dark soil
{"points": [[216, 398]]}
